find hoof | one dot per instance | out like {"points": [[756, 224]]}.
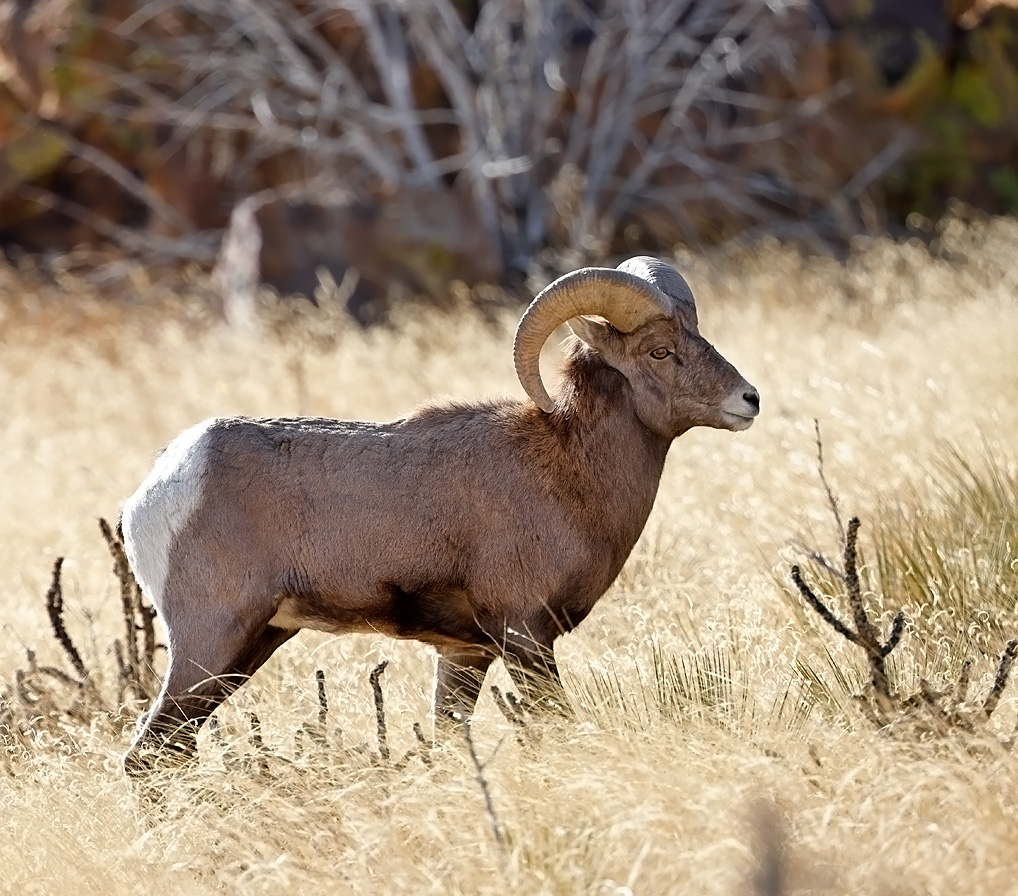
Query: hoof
{"points": [[150, 755]]}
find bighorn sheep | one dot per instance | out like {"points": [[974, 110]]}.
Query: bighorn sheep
{"points": [[484, 530]]}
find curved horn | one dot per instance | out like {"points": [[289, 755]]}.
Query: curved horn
{"points": [[662, 275], [624, 298]]}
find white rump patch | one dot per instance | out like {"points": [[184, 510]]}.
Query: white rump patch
{"points": [[156, 513]]}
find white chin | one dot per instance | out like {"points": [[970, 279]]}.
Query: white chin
{"points": [[737, 423]]}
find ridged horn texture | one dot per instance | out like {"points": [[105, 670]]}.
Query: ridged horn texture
{"points": [[662, 275], [627, 297]]}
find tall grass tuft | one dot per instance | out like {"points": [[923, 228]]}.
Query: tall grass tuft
{"points": [[949, 561], [953, 559]]}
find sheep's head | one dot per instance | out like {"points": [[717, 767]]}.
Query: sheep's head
{"points": [[641, 319]]}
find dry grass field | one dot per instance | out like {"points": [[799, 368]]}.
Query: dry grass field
{"points": [[717, 747]]}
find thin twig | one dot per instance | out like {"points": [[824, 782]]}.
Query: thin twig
{"points": [[509, 706], [376, 687], [323, 700], [1007, 744], [961, 688], [831, 499], [821, 608], [425, 746], [865, 634], [866, 630], [22, 690], [128, 603], [123, 672], [878, 164], [819, 559], [932, 699], [419, 734], [215, 730], [1000, 679], [149, 644], [59, 675], [258, 744], [111, 168], [897, 630], [489, 803], [55, 610]]}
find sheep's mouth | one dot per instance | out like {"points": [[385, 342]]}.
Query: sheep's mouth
{"points": [[737, 422]]}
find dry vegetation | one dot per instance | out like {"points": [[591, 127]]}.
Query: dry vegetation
{"points": [[719, 746]]}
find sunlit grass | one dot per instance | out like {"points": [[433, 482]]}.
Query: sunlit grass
{"points": [[945, 554], [703, 687]]}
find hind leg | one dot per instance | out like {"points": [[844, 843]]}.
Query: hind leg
{"points": [[210, 657], [458, 680]]}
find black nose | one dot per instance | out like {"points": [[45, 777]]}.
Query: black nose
{"points": [[752, 397]]}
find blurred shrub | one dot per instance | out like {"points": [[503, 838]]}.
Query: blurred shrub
{"points": [[335, 134]]}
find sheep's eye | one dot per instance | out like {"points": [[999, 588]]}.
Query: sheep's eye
{"points": [[659, 354]]}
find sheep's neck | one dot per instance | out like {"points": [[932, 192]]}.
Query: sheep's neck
{"points": [[609, 462]]}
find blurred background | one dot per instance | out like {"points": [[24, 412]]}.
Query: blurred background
{"points": [[386, 148]]}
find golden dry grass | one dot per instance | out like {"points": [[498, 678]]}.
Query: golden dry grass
{"points": [[897, 354]]}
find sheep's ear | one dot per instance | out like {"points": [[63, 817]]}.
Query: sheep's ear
{"points": [[595, 331]]}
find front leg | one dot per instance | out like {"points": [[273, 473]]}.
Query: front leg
{"points": [[458, 680], [530, 659]]}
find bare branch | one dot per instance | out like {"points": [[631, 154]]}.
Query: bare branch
{"points": [[865, 633], [897, 629], [55, 611], [819, 559], [419, 734], [489, 803], [388, 48], [1000, 680], [376, 687], [129, 602], [961, 688], [879, 164], [155, 249], [260, 759], [323, 700], [831, 499], [116, 172], [60, 676], [821, 608], [864, 628], [509, 706]]}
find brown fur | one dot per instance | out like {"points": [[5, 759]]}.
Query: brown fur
{"points": [[485, 530]]}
